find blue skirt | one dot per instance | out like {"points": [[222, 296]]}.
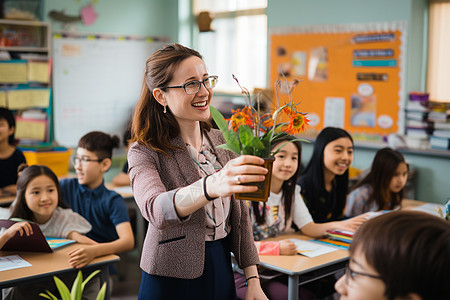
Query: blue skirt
{"points": [[216, 282]]}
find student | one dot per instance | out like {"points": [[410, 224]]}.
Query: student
{"points": [[184, 186], [284, 207], [88, 196], [39, 200], [324, 182], [122, 179], [399, 255], [10, 157], [382, 188]]}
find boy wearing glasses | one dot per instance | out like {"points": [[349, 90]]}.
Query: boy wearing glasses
{"points": [[88, 196], [398, 255]]}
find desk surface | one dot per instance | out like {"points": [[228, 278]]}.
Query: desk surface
{"points": [[299, 264], [6, 200], [45, 264]]}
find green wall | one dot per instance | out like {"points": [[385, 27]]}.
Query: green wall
{"points": [[433, 172]]}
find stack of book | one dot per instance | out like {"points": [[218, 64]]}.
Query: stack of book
{"points": [[418, 129], [338, 238], [440, 116]]}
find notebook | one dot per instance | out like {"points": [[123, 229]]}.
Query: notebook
{"points": [[32, 243]]}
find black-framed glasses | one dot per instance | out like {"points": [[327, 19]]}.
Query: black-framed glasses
{"points": [[192, 87], [351, 274], [84, 160]]}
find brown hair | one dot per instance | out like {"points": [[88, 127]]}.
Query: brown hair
{"points": [[383, 168], [100, 143], [150, 126], [27, 174], [410, 250]]}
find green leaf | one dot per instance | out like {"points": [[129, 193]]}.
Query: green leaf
{"points": [[229, 135], [89, 278], [62, 288], [227, 147], [77, 290], [101, 294], [49, 296]]}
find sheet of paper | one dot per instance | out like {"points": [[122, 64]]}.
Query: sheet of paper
{"points": [[13, 72], [311, 249], [38, 71], [12, 262], [26, 98], [432, 208], [334, 112], [31, 129]]}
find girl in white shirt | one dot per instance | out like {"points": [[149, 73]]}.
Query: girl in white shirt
{"points": [[284, 207]]}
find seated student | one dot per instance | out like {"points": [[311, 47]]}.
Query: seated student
{"points": [[10, 157], [283, 208], [39, 200], [324, 183], [88, 196], [399, 255], [382, 188], [122, 179]]}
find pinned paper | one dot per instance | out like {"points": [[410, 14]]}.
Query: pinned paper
{"points": [[38, 71], [13, 72], [21, 99], [30, 129]]}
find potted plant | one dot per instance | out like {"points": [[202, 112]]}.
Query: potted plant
{"points": [[77, 288], [248, 132]]}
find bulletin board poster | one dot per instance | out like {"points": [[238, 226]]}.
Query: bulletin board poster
{"points": [[351, 75]]}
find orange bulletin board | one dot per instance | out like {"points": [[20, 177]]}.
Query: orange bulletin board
{"points": [[351, 75]]}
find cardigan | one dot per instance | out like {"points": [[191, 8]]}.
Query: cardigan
{"points": [[174, 246]]}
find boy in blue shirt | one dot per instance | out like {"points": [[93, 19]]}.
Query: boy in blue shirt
{"points": [[88, 196]]}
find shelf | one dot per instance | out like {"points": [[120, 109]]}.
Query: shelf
{"points": [[25, 49]]}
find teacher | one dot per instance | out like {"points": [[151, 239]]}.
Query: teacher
{"points": [[184, 186]]}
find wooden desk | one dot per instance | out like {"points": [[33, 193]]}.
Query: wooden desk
{"points": [[49, 264], [309, 269]]}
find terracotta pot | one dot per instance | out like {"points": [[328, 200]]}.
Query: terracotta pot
{"points": [[263, 191]]}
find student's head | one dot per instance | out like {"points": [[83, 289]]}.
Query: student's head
{"points": [[177, 67], [7, 125], [285, 170], [387, 176], [38, 194], [93, 157], [406, 254]]}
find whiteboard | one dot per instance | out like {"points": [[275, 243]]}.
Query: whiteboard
{"points": [[97, 81]]}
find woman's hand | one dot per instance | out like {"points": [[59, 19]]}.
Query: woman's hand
{"points": [[353, 223], [287, 247], [254, 291], [243, 169]]}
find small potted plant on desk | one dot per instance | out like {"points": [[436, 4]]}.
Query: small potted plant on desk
{"points": [[250, 133]]}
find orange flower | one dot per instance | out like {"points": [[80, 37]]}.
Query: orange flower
{"points": [[297, 123], [287, 110], [267, 120], [240, 117]]}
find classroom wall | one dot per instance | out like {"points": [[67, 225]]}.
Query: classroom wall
{"points": [[432, 179], [132, 17]]}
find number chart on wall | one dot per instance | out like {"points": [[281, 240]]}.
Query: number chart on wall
{"points": [[351, 75]]}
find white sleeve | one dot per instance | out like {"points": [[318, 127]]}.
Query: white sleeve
{"points": [[63, 222], [300, 214]]}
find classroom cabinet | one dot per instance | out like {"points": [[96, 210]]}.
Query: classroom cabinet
{"points": [[25, 78]]}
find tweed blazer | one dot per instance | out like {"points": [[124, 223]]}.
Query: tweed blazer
{"points": [[174, 246]]}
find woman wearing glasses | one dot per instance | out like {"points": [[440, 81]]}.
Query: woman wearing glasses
{"points": [[399, 255], [184, 186]]}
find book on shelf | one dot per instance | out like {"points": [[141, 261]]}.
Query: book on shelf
{"points": [[418, 124], [441, 125], [439, 143], [416, 115], [439, 115]]}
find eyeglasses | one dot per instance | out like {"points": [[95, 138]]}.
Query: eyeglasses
{"points": [[83, 160], [351, 274], [192, 87]]}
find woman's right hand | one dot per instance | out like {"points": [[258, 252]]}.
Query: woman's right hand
{"points": [[243, 169], [287, 247]]}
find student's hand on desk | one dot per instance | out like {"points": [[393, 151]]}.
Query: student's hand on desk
{"points": [[287, 247], [81, 256], [245, 168], [353, 223]]}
